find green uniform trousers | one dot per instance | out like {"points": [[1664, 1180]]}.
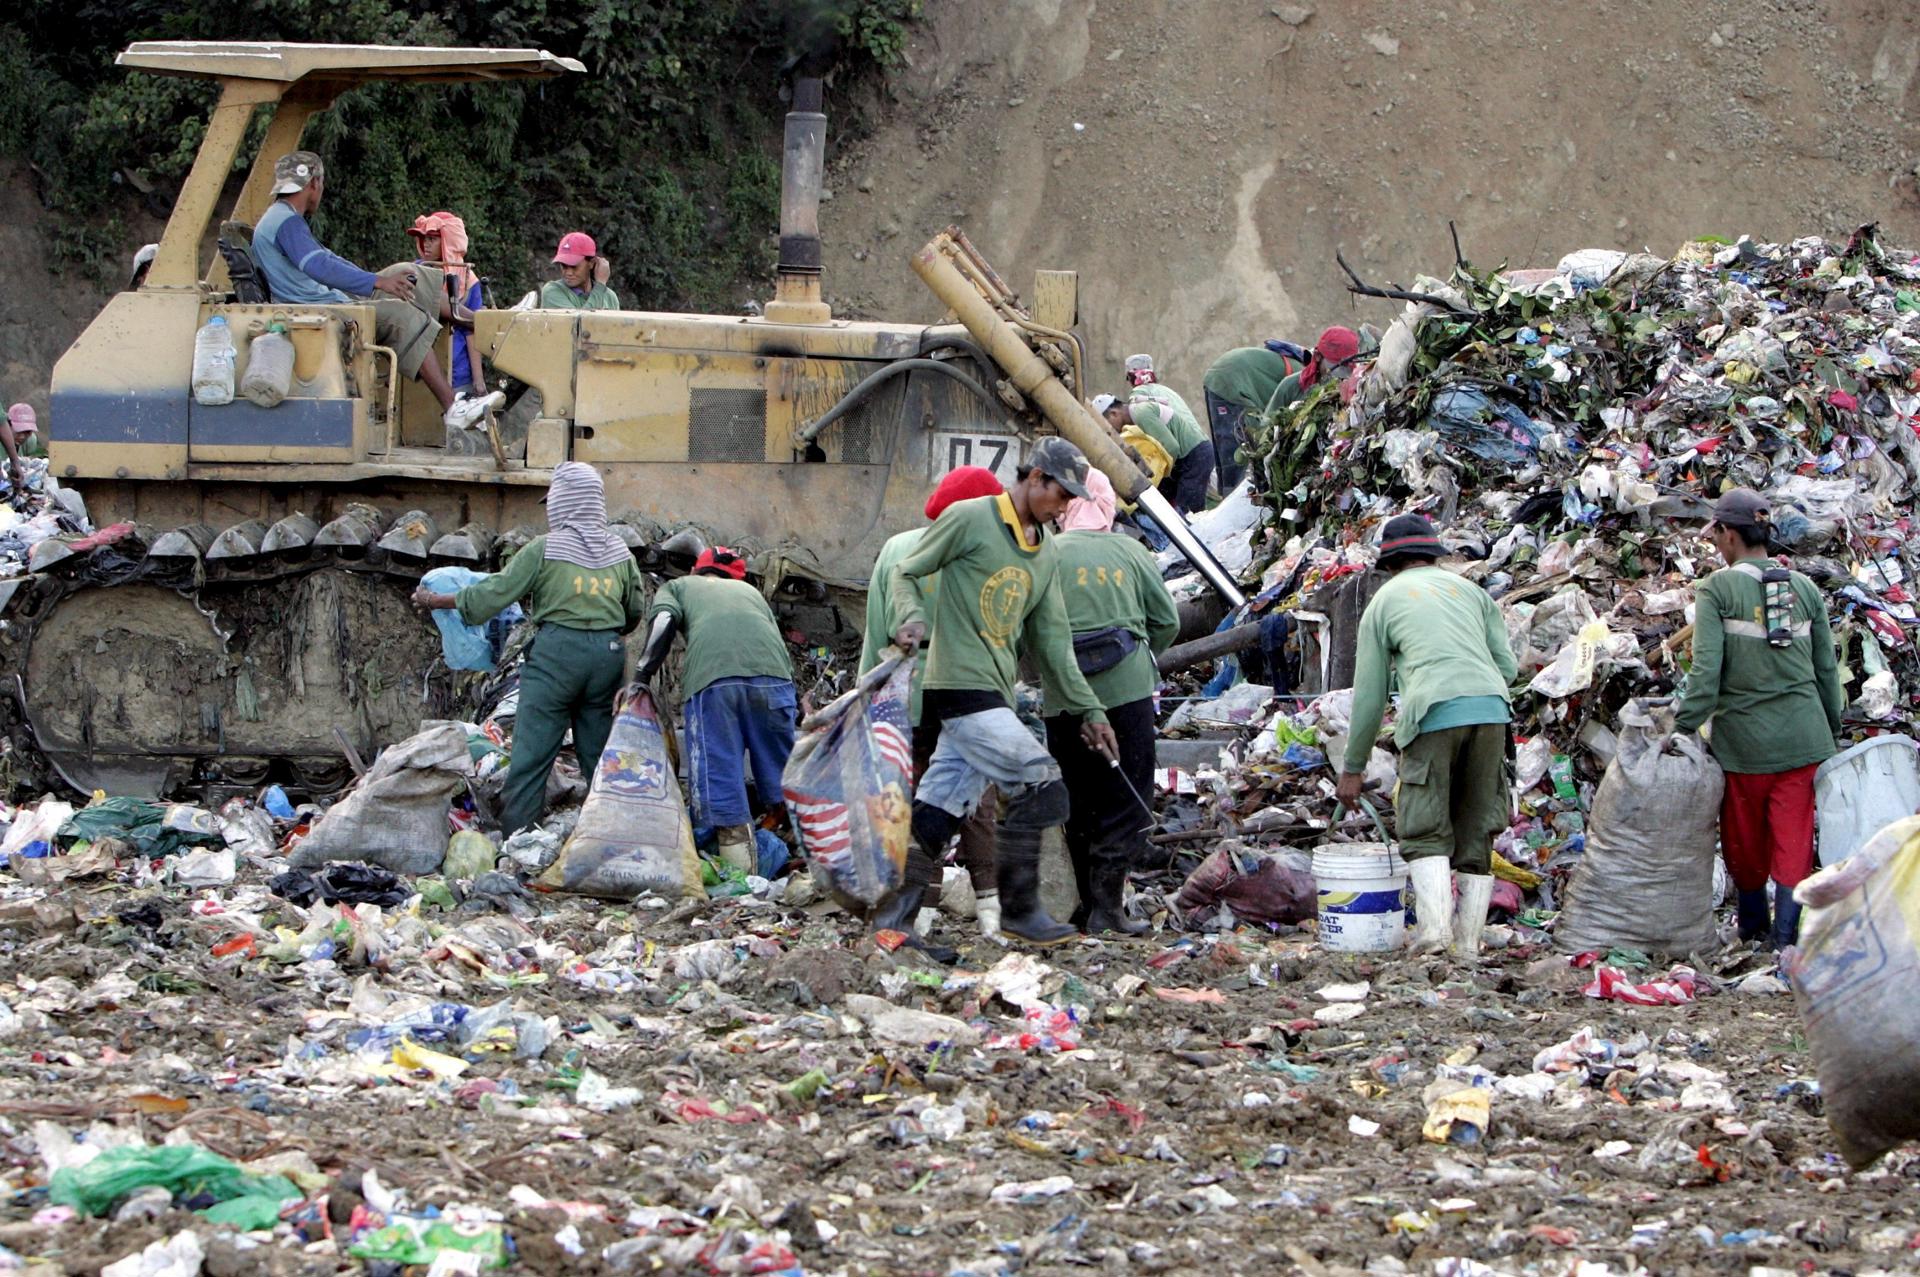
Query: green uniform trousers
{"points": [[1453, 795], [569, 681]]}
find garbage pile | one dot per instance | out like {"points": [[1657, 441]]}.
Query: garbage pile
{"points": [[39, 511], [1565, 429]]}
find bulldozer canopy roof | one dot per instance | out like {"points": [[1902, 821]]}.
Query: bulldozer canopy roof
{"points": [[345, 64]]}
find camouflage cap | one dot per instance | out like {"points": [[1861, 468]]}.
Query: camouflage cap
{"points": [[296, 171], [1061, 462]]}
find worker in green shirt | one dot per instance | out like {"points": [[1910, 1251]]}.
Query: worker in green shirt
{"points": [[582, 589], [1764, 673], [1442, 638], [1241, 382], [740, 705], [999, 596], [963, 483], [1122, 617], [1165, 418], [583, 277]]}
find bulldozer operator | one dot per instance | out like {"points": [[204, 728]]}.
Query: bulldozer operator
{"points": [[413, 297]]}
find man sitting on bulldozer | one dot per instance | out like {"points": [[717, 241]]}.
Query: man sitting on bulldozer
{"points": [[406, 318]]}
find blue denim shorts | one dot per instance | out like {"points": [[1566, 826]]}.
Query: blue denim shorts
{"points": [[976, 750]]}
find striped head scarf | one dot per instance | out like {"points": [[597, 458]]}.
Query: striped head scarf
{"points": [[577, 529]]}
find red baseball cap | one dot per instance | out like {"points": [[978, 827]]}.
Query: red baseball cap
{"points": [[960, 484], [575, 247], [720, 561]]}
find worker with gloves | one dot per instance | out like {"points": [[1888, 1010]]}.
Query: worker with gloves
{"points": [[1122, 617], [1443, 639], [1165, 418], [1238, 383], [976, 833], [999, 596], [1764, 673], [1333, 355], [583, 590], [739, 701]]}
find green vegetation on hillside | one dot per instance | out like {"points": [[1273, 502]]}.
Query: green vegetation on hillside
{"points": [[666, 151]]}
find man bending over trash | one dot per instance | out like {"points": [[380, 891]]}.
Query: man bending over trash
{"points": [[1764, 672], [741, 707], [999, 594], [1443, 639], [411, 297]]}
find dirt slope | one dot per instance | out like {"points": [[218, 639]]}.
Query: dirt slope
{"points": [[1198, 164], [1229, 146]]}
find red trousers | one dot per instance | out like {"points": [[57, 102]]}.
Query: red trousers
{"points": [[1766, 827]]}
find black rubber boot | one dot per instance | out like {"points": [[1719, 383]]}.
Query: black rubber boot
{"points": [[1107, 903], [899, 911], [1022, 916], [1750, 908], [1786, 920]]}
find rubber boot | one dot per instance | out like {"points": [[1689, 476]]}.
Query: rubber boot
{"points": [[1022, 916], [1476, 893], [1750, 909], [1106, 909], [1786, 919], [900, 911], [734, 845], [986, 911], [1432, 904]]}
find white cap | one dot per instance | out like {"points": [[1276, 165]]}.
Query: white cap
{"points": [[1139, 363], [1101, 403]]}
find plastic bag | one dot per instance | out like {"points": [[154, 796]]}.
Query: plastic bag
{"points": [[151, 829], [633, 837], [1646, 880], [396, 815], [1862, 790], [1257, 887], [185, 1170], [465, 647], [469, 854], [1853, 975], [849, 788]]}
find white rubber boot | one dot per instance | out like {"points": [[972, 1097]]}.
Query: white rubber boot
{"points": [[986, 909], [734, 845], [1432, 904], [1476, 893]]}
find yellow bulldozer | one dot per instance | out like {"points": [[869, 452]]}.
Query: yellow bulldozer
{"points": [[242, 615]]}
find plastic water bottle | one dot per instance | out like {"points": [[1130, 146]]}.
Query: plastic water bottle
{"points": [[269, 367], [213, 362]]}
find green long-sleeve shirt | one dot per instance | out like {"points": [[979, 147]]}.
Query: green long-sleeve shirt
{"points": [[881, 618], [1247, 376], [1108, 579], [1773, 708], [728, 628], [998, 595], [1164, 416], [555, 295], [563, 593], [1441, 637]]}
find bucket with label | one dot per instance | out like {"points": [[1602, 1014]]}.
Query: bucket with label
{"points": [[1362, 890]]}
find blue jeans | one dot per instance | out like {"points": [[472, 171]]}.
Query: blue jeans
{"points": [[989, 747], [1223, 418], [729, 722]]}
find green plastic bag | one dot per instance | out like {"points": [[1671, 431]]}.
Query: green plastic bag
{"points": [[406, 1243], [151, 829], [470, 853], [185, 1170]]}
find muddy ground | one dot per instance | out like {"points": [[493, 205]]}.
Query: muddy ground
{"points": [[1206, 1122]]}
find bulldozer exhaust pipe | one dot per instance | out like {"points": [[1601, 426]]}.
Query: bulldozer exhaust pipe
{"points": [[796, 290], [1069, 415]]}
